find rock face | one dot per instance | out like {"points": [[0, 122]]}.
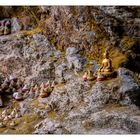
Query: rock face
{"points": [[129, 87], [74, 60], [57, 53], [9, 26], [99, 109], [15, 27], [88, 28], [21, 49], [74, 106]]}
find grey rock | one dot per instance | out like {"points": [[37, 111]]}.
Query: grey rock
{"points": [[82, 107], [95, 66], [108, 131], [17, 95], [57, 54], [129, 88], [94, 117], [49, 127], [24, 108], [117, 12], [71, 51], [73, 59], [15, 26], [2, 125], [59, 72], [1, 102], [127, 80]]}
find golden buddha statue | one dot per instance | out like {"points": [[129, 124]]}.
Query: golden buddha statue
{"points": [[106, 70], [106, 63]]}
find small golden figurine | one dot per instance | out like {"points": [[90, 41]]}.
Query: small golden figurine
{"points": [[106, 63], [106, 70]]}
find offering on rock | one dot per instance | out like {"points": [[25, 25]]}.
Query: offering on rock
{"points": [[106, 70]]}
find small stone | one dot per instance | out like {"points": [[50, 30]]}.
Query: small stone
{"points": [[31, 93], [2, 125], [11, 77], [15, 25], [1, 28], [6, 118], [25, 88], [74, 59], [1, 103], [53, 84], [7, 27], [18, 96], [2, 116], [17, 115], [4, 112], [13, 113], [10, 117], [13, 123]]}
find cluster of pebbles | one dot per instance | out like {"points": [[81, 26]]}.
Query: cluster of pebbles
{"points": [[7, 116]]}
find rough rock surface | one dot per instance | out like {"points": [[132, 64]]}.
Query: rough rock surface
{"points": [[74, 60], [74, 106], [99, 110], [15, 25]]}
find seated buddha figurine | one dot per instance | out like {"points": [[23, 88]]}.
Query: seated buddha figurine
{"points": [[106, 63], [106, 69]]}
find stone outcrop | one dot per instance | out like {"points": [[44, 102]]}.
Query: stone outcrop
{"points": [[93, 108], [71, 42]]}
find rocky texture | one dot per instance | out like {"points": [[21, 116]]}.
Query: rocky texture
{"points": [[94, 29], [74, 61], [99, 109], [74, 106], [11, 25], [15, 25], [129, 87], [89, 28], [19, 49], [58, 54]]}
